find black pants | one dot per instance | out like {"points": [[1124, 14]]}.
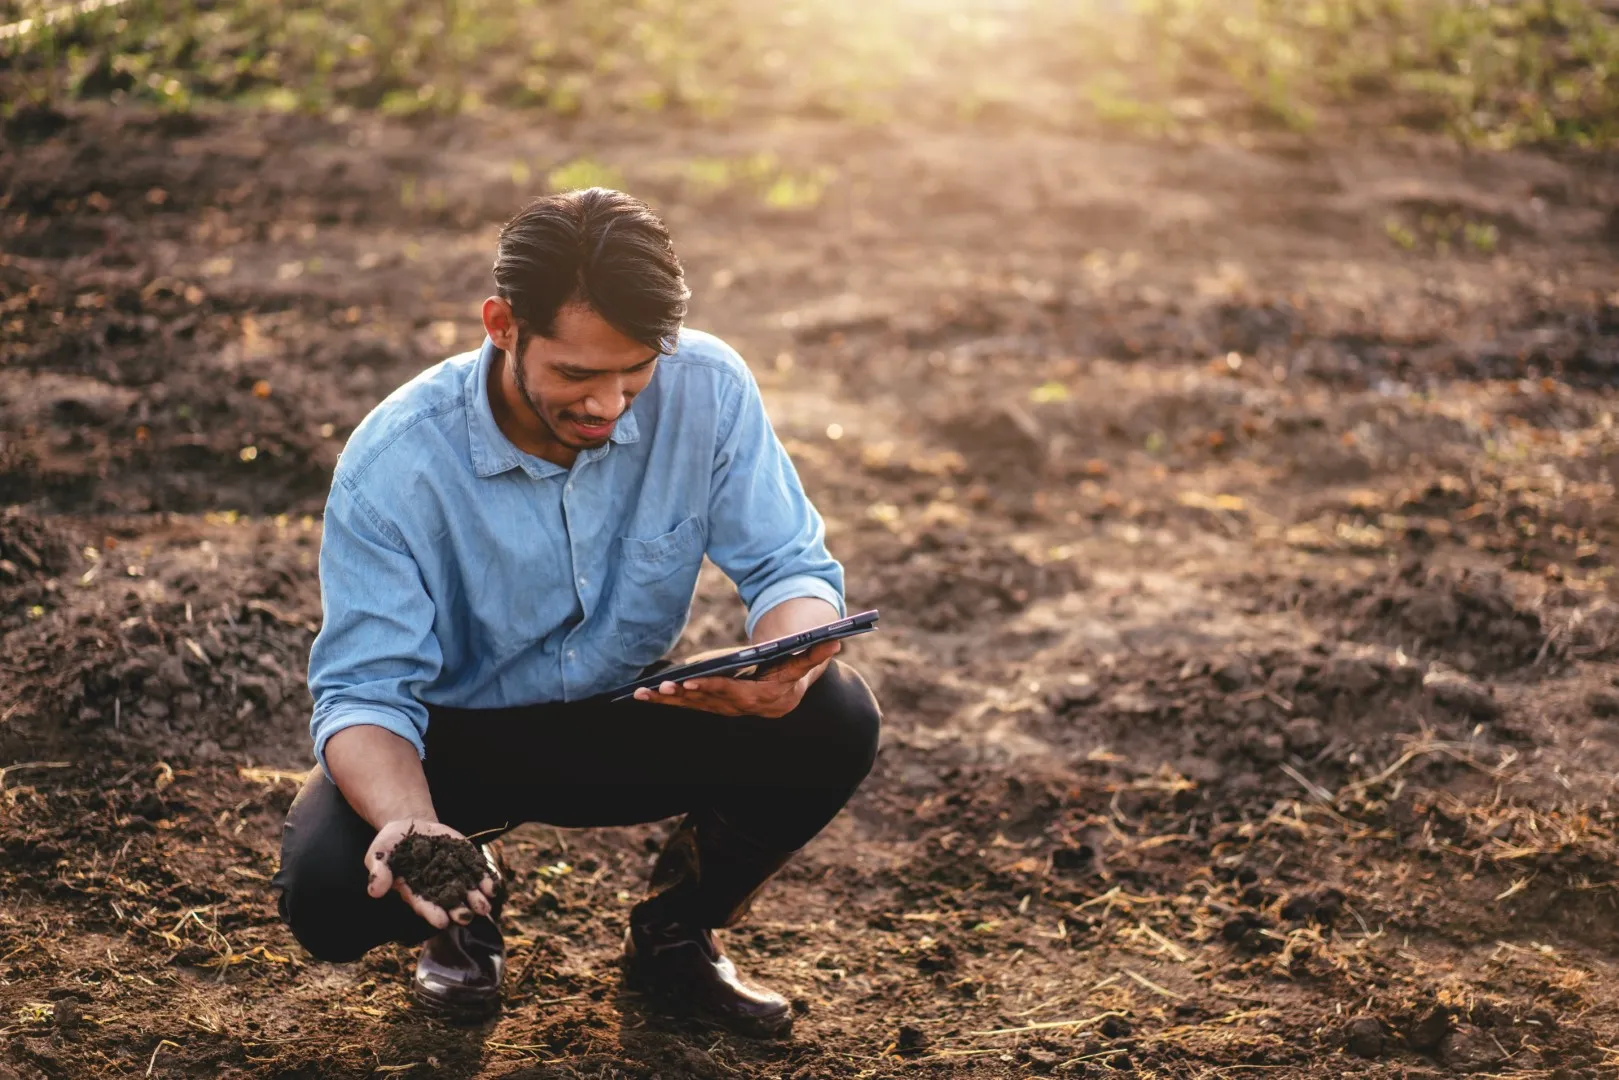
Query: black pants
{"points": [[581, 764]]}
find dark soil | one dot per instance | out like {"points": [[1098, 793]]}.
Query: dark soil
{"points": [[1250, 641], [1464, 618], [439, 869]]}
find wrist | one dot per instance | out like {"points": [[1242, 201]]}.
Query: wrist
{"points": [[416, 816]]}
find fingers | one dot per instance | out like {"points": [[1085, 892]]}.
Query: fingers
{"points": [[683, 699], [381, 875], [706, 699], [774, 695], [478, 902], [660, 692], [671, 693], [487, 885], [789, 670], [727, 697], [713, 690], [428, 910]]}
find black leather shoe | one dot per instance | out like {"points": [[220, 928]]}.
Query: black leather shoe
{"points": [[706, 876], [458, 974], [686, 969], [459, 971]]}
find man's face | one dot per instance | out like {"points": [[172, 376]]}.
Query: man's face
{"points": [[579, 381]]}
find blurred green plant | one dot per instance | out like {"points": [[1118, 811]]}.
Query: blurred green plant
{"points": [[1131, 114], [798, 192], [583, 173], [1492, 73], [1400, 234], [1495, 74], [1482, 237], [1442, 233], [717, 176], [761, 175]]}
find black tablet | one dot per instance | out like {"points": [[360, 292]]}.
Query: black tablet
{"points": [[749, 662]]}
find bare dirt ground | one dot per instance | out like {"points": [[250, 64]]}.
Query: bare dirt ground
{"points": [[1250, 660]]}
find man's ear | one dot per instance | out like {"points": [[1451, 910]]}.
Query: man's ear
{"points": [[500, 324]]}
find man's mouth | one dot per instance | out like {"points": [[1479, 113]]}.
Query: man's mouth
{"points": [[593, 429]]}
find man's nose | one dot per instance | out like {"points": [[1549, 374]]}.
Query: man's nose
{"points": [[608, 406]]}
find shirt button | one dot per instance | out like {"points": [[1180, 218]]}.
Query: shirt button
{"points": [[581, 579], [571, 654]]}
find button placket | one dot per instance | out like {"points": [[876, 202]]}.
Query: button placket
{"points": [[570, 654], [580, 580]]}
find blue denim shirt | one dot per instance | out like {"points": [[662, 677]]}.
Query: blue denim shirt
{"points": [[458, 570]]}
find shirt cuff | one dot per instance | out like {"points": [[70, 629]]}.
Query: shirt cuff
{"points": [[791, 589], [359, 716]]}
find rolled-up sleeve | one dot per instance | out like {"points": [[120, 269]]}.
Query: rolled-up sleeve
{"points": [[763, 531], [376, 648]]}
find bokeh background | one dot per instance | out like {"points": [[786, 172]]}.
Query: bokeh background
{"points": [[1495, 74]]}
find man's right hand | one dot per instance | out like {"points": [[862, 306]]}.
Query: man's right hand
{"points": [[382, 876]]}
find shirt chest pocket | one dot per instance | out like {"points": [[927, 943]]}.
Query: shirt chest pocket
{"points": [[652, 597]]}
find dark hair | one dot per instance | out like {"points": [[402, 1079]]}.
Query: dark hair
{"points": [[597, 247]]}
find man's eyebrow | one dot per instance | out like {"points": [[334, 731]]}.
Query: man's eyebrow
{"points": [[574, 369]]}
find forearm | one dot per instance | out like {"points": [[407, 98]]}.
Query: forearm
{"points": [[380, 774], [792, 615]]}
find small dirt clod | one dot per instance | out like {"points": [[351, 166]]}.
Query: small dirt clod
{"points": [[1427, 1033], [68, 1015], [1603, 701], [1041, 1060], [911, 1039], [1468, 1049], [1364, 1037], [439, 869]]}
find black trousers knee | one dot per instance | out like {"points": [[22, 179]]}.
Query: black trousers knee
{"points": [[581, 764]]}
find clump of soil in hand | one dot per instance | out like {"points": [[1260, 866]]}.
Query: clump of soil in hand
{"points": [[440, 869]]}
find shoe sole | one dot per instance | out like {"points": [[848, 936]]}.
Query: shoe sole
{"points": [[456, 1012], [675, 1005]]}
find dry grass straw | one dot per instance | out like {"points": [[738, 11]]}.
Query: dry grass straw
{"points": [[1502, 830]]}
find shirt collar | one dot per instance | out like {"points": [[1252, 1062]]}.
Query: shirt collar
{"points": [[493, 453]]}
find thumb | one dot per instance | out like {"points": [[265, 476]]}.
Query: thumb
{"points": [[795, 668], [826, 650], [382, 875]]}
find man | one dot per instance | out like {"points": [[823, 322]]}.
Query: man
{"points": [[511, 534]]}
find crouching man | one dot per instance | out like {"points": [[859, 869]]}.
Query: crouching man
{"points": [[512, 533]]}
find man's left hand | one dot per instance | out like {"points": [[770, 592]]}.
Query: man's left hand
{"points": [[774, 693]]}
